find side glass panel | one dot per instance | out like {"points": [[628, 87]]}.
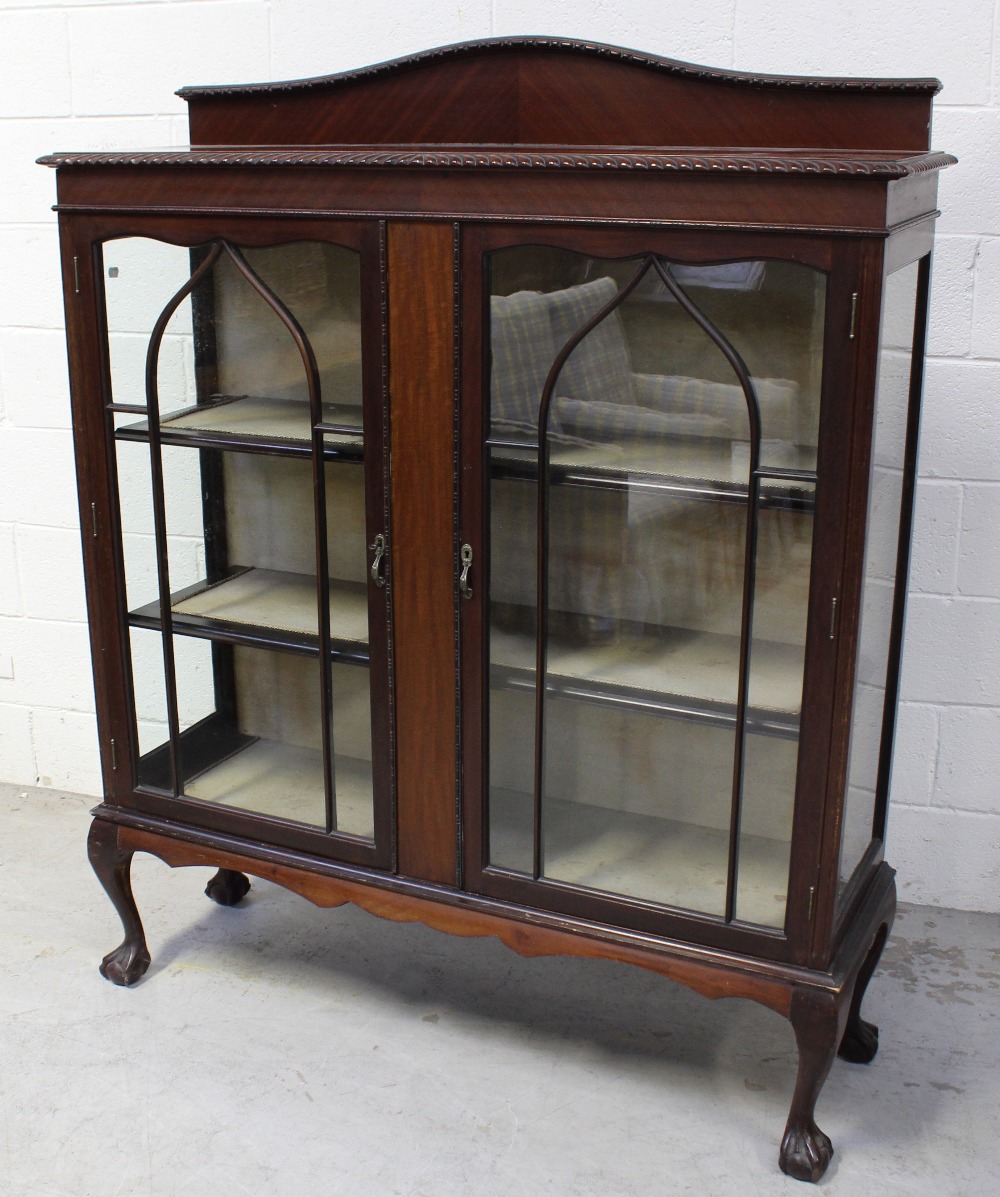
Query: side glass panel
{"points": [[650, 541], [871, 725], [242, 485]]}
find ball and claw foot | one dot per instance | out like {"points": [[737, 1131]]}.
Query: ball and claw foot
{"points": [[860, 1042], [227, 887], [805, 1153], [126, 964]]}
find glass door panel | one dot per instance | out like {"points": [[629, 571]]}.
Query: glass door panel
{"points": [[651, 503], [352, 780], [249, 567], [878, 639], [139, 276]]}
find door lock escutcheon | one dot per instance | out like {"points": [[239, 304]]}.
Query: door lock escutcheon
{"points": [[378, 547], [465, 556]]}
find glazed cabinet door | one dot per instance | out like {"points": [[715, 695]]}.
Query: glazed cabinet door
{"points": [[639, 531], [243, 407]]}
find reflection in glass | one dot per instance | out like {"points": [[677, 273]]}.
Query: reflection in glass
{"points": [[646, 496], [885, 500]]}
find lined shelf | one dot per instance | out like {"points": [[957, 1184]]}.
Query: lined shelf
{"points": [[267, 608], [677, 672], [285, 781], [653, 859], [226, 767], [258, 422]]}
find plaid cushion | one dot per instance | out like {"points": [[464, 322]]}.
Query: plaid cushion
{"points": [[724, 403], [523, 351], [613, 423], [599, 368]]}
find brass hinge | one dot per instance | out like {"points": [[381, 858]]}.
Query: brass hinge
{"points": [[812, 899], [76, 274], [833, 619], [93, 518], [114, 754], [854, 316]]}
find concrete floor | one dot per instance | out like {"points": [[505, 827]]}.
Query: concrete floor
{"points": [[279, 1049]]}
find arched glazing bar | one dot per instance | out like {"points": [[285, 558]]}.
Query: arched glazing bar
{"points": [[739, 368], [542, 543], [159, 508], [217, 250], [749, 568]]}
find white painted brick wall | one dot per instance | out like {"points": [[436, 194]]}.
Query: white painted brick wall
{"points": [[94, 75]]}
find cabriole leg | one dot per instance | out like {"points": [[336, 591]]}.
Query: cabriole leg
{"points": [[860, 1041], [112, 864], [228, 887], [805, 1150]]}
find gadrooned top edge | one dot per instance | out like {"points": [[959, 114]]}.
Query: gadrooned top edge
{"points": [[709, 162], [590, 49]]}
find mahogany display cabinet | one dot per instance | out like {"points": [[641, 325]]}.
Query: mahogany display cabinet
{"points": [[496, 471]]}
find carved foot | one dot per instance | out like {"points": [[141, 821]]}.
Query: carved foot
{"points": [[112, 864], [805, 1152], [228, 887], [860, 1042], [126, 964], [816, 1019]]}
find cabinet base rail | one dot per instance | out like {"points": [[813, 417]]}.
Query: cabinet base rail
{"points": [[823, 1006]]}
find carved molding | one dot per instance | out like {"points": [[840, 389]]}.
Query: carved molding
{"points": [[497, 159], [653, 62]]}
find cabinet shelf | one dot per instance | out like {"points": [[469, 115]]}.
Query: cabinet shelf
{"points": [[685, 467], [267, 608], [256, 423], [285, 781], [268, 777], [677, 673], [664, 861]]}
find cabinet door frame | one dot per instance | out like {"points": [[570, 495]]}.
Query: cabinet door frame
{"points": [[839, 259], [82, 238]]}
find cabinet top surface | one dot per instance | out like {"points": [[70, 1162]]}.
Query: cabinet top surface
{"points": [[550, 102]]}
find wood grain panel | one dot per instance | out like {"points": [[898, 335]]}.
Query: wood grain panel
{"points": [[508, 91], [421, 389]]}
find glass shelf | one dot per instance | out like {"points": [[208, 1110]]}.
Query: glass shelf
{"points": [[692, 467], [258, 606], [256, 421], [677, 673]]}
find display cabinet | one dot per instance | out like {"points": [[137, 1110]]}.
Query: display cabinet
{"points": [[496, 470]]}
